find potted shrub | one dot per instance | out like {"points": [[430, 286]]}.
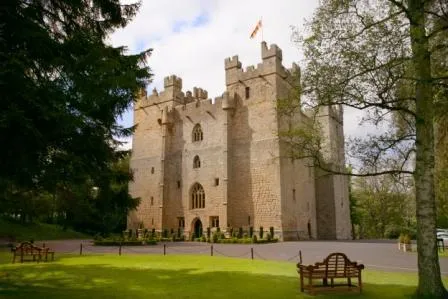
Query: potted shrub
{"points": [[407, 246], [404, 243]]}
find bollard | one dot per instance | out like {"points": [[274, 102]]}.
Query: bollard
{"points": [[300, 256], [80, 249], [164, 249], [252, 252], [211, 250], [119, 250]]}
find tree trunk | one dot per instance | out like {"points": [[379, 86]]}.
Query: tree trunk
{"points": [[429, 277]]}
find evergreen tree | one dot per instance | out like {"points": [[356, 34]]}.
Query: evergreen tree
{"points": [[62, 87]]}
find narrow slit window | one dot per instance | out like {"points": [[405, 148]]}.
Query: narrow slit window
{"points": [[196, 162], [247, 92]]}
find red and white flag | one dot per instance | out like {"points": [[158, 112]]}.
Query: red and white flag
{"points": [[258, 27]]}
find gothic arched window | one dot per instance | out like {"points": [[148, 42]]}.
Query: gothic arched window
{"points": [[197, 133], [197, 197], [196, 162]]}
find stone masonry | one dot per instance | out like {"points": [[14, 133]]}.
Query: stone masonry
{"points": [[199, 163]]}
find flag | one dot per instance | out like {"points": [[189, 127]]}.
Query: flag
{"points": [[259, 24]]}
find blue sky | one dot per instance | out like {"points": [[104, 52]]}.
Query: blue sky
{"points": [[192, 38]]}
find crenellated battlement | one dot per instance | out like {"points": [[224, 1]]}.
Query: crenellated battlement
{"points": [[271, 64], [172, 80], [232, 62], [272, 51]]}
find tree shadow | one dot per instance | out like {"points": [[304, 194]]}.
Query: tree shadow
{"points": [[105, 281]]}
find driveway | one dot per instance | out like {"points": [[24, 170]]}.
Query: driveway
{"points": [[379, 255]]}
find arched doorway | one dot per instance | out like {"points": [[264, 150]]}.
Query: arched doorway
{"points": [[197, 228]]}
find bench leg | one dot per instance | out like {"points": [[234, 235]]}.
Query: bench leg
{"points": [[360, 282], [310, 284], [301, 282]]}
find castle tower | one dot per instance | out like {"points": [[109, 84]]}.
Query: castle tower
{"points": [[202, 164]]}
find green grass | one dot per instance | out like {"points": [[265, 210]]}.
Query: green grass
{"points": [[35, 231], [185, 276]]}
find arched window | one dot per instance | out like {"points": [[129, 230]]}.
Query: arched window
{"points": [[196, 162], [197, 197], [197, 133]]}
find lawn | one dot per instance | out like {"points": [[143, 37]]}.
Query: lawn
{"points": [[185, 276], [36, 231]]}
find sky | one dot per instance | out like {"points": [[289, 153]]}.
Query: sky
{"points": [[192, 38]]}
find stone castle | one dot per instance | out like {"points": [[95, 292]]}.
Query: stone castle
{"points": [[200, 163]]}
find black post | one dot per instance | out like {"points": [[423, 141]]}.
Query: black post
{"points": [[119, 250], [164, 249], [211, 250], [80, 249], [300, 256], [252, 252]]}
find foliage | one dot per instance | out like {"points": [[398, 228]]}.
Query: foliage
{"points": [[113, 276], [261, 232], [375, 56], [382, 204], [63, 86]]}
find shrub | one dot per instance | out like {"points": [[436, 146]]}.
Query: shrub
{"points": [[254, 239], [165, 233], [173, 237], [245, 236], [404, 238], [271, 230], [215, 237], [208, 232], [268, 237], [240, 233], [218, 229], [231, 231], [203, 239], [251, 231], [261, 232], [178, 232]]}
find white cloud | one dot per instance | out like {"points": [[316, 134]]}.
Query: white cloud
{"points": [[191, 39]]}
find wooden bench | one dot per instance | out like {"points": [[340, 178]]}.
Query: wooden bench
{"points": [[27, 251], [335, 266]]}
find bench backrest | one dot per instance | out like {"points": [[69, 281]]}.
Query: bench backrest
{"points": [[337, 264], [27, 246]]}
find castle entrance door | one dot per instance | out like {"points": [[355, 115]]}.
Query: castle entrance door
{"points": [[197, 228]]}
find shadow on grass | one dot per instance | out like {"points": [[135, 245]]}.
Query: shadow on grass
{"points": [[104, 281]]}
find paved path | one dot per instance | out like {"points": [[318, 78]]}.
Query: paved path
{"points": [[379, 255]]}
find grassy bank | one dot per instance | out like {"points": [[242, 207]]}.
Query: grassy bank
{"points": [[11, 230]]}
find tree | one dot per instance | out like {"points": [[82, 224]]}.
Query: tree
{"points": [[62, 88], [377, 56], [384, 207]]}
